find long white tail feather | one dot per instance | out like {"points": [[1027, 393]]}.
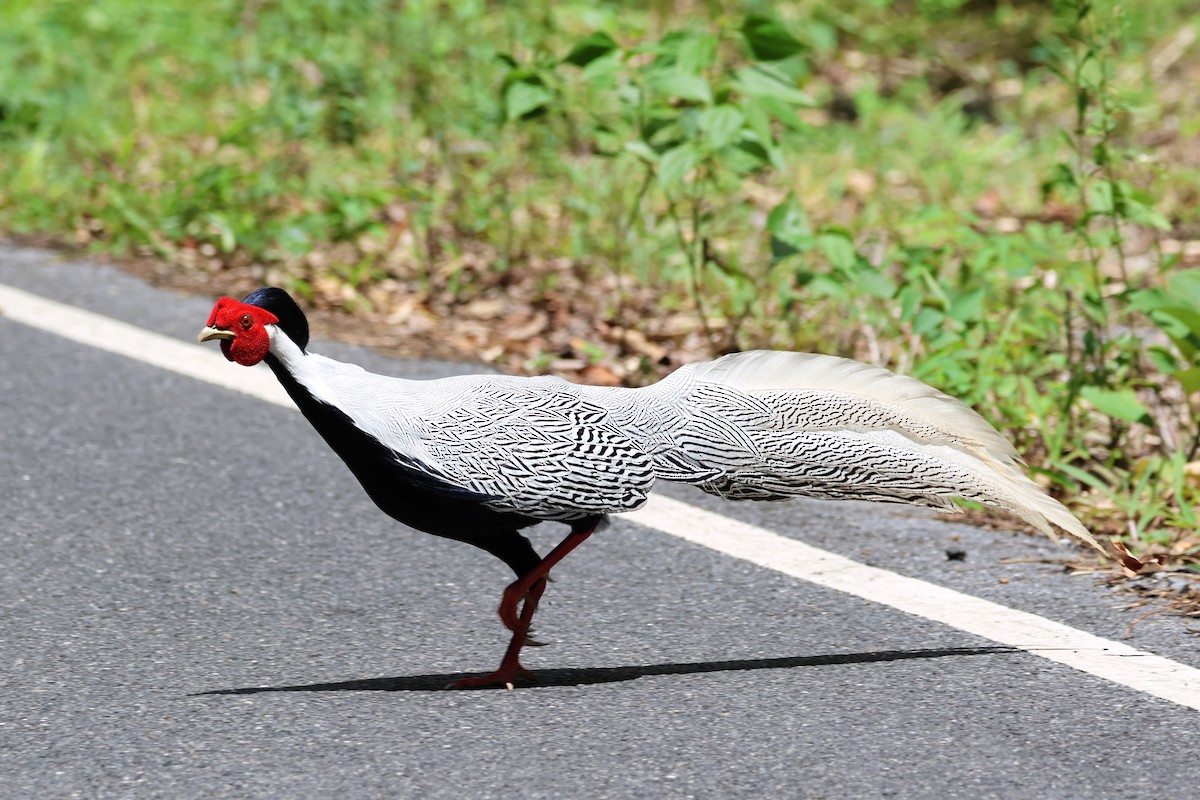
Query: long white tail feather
{"points": [[901, 402], [890, 423]]}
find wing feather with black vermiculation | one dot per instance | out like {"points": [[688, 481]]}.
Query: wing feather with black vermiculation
{"points": [[536, 447], [541, 449]]}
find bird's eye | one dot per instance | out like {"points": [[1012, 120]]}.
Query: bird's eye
{"points": [[247, 322]]}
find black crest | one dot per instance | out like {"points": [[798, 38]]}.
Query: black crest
{"points": [[291, 319]]}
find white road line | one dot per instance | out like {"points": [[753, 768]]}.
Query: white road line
{"points": [[1113, 661], [104, 333]]}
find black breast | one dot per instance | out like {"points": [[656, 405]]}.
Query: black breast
{"points": [[413, 496]]}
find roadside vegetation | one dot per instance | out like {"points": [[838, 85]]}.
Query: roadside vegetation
{"points": [[999, 198]]}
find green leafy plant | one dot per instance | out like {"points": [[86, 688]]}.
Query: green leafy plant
{"points": [[693, 123]]}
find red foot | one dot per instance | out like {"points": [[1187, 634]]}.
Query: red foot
{"points": [[505, 677], [524, 592]]}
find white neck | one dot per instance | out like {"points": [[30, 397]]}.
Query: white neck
{"points": [[288, 352]]}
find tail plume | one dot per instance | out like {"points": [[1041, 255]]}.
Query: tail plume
{"points": [[789, 424]]}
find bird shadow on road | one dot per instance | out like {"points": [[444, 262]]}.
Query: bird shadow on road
{"points": [[586, 676]]}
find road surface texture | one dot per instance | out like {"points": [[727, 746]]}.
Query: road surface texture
{"points": [[197, 600]]}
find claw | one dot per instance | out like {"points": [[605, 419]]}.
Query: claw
{"points": [[506, 676]]}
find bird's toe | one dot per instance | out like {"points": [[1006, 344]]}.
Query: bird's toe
{"points": [[505, 677]]}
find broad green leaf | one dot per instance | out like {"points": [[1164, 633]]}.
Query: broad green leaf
{"points": [[589, 48], [1142, 213], [874, 282], [758, 121], [1062, 175], [1117, 403], [967, 306], [928, 320], [791, 231], [747, 155], [678, 84], [604, 70], [1185, 287], [1189, 379], [1104, 199], [720, 125], [781, 111], [768, 39], [823, 36], [697, 53], [1182, 325], [1149, 300], [662, 131], [1163, 359], [837, 248], [525, 97], [668, 46], [676, 163], [822, 286], [910, 300], [764, 81], [608, 143], [642, 151], [781, 250]]}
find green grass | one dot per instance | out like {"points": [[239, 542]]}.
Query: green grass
{"points": [[973, 192]]}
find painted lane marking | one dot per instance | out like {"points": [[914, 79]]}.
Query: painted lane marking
{"points": [[104, 333], [1113, 661], [1103, 658]]}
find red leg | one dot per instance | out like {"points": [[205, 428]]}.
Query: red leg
{"points": [[529, 588]]}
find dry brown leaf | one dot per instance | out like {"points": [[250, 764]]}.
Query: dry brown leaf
{"points": [[599, 375], [1129, 565]]}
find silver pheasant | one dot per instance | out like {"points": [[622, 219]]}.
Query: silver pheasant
{"points": [[476, 458]]}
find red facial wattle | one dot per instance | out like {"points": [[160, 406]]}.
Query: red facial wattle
{"points": [[251, 342]]}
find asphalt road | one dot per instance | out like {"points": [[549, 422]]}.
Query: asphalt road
{"points": [[197, 600]]}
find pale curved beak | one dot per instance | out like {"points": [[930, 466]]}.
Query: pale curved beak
{"points": [[210, 332]]}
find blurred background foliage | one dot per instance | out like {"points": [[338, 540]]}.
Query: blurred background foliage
{"points": [[998, 197]]}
